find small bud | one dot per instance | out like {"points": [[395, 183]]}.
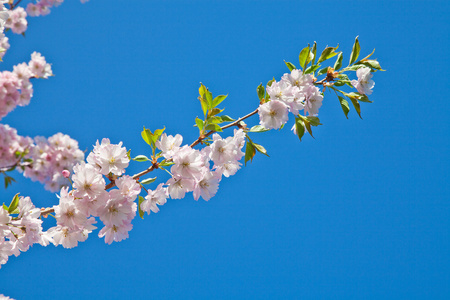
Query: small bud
{"points": [[66, 173]]}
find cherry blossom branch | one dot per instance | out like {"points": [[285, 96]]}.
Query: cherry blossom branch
{"points": [[155, 164]]}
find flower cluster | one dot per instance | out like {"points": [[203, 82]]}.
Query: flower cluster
{"points": [[17, 21], [191, 170], [293, 93], [11, 146], [88, 199], [19, 233], [50, 157], [16, 88], [42, 7]]}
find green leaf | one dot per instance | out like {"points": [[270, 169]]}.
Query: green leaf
{"points": [[204, 105], [199, 123], [304, 57], [344, 105], [141, 158], [311, 69], [209, 99], [299, 127], [14, 204], [147, 135], [353, 68], [327, 53], [249, 151], [158, 133], [128, 153], [258, 128], [357, 106], [218, 100], [260, 149], [314, 121], [269, 83], [372, 64], [314, 51], [148, 181], [338, 63], [355, 51], [141, 212], [358, 96], [226, 118], [290, 66], [260, 90], [213, 127], [214, 120], [215, 111], [202, 90], [322, 71], [5, 206], [308, 127], [166, 163]]}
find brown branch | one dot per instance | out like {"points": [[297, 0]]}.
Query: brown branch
{"points": [[12, 6]]}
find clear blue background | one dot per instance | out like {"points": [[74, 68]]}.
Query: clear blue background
{"points": [[360, 212]]}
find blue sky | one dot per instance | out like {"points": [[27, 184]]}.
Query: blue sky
{"points": [[361, 211]]}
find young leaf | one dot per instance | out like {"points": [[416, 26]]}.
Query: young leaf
{"points": [[308, 127], [158, 133], [204, 105], [322, 71], [338, 63], [202, 90], [269, 83], [14, 204], [215, 111], [140, 158], [166, 163], [213, 127], [141, 212], [313, 120], [357, 106], [304, 57], [372, 64], [327, 53], [314, 51], [148, 181], [260, 90], [199, 123], [218, 100], [226, 118], [147, 136], [249, 151], [209, 99], [290, 66], [299, 127], [258, 128], [344, 105], [260, 149], [355, 51], [311, 69]]}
